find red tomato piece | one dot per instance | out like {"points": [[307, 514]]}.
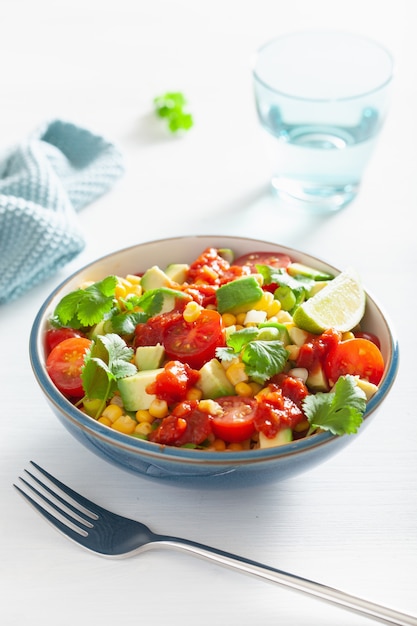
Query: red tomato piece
{"points": [[276, 411], [64, 365], [186, 425], [195, 342], [208, 267], [314, 351], [359, 357], [292, 388], [151, 333], [203, 294], [236, 423], [273, 259], [173, 383], [54, 336]]}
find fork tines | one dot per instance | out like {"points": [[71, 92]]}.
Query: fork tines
{"points": [[59, 504]]}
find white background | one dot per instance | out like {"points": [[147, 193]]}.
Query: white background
{"points": [[350, 523]]}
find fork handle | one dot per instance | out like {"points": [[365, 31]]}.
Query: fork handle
{"points": [[330, 595]]}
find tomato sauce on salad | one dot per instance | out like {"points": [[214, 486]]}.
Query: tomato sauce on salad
{"points": [[206, 355]]}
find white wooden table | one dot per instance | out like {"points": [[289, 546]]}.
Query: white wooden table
{"points": [[350, 523]]}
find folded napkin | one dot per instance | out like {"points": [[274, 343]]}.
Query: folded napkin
{"points": [[43, 183]]}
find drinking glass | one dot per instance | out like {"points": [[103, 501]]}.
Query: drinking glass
{"points": [[322, 98]]}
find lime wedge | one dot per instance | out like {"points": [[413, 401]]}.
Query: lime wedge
{"points": [[339, 305]]}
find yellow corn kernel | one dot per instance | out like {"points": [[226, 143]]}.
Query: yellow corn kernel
{"points": [[158, 408], [144, 417], [228, 319], [112, 412], [235, 447], [255, 387], [263, 392], [210, 406], [273, 309], [144, 428], [104, 420], [302, 426], [194, 394], [347, 335], [245, 444], [133, 279], [192, 311], [218, 445], [244, 389], [240, 319], [209, 271], [134, 290], [116, 399], [120, 291], [236, 373], [124, 424], [264, 302], [293, 351], [284, 317]]}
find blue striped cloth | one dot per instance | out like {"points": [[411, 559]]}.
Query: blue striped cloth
{"points": [[44, 182]]}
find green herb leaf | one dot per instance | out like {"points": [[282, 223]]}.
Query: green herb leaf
{"points": [[108, 359], [264, 359], [126, 322], [171, 107], [339, 411], [87, 307], [281, 277], [240, 338]]}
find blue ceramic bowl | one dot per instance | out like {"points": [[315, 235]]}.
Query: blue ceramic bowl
{"points": [[154, 460]]}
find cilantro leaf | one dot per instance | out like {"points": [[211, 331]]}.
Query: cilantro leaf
{"points": [[171, 106], [339, 411], [240, 338], [225, 354], [108, 359], [236, 342], [86, 307], [66, 310], [125, 323], [264, 359], [281, 277]]}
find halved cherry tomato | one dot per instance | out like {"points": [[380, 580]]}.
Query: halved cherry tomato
{"points": [[54, 336], [237, 421], [359, 357], [64, 365], [195, 342], [273, 259], [151, 332]]}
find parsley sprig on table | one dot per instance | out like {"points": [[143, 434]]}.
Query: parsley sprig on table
{"points": [[171, 106]]}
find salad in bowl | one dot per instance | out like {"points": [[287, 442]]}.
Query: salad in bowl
{"points": [[224, 352]]}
